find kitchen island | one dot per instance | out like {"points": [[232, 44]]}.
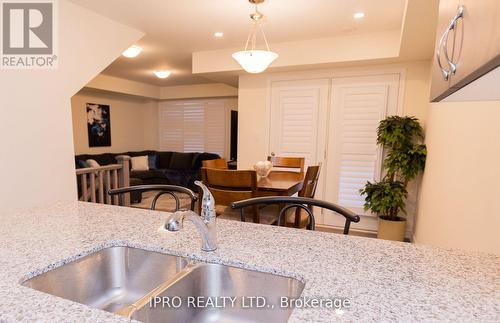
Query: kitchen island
{"points": [[383, 280]]}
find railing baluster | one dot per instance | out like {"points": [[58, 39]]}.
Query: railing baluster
{"points": [[100, 175], [108, 186], [124, 160], [115, 185], [92, 188], [85, 194], [96, 181]]}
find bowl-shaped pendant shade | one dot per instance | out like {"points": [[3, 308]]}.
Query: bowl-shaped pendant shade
{"points": [[255, 61]]}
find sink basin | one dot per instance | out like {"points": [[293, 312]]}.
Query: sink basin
{"points": [[109, 279], [218, 282], [126, 281]]}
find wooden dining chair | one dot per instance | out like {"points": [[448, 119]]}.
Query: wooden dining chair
{"points": [[308, 190], [288, 162], [297, 217], [220, 163], [228, 186]]}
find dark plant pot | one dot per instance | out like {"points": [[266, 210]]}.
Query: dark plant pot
{"points": [[391, 229]]}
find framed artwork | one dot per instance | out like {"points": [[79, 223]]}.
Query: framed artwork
{"points": [[98, 125]]}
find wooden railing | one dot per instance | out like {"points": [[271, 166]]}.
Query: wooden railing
{"points": [[95, 182]]}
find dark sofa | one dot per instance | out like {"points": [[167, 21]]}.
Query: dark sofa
{"points": [[165, 167]]}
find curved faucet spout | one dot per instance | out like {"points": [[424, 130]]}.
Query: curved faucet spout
{"points": [[175, 222], [205, 224], [207, 204]]}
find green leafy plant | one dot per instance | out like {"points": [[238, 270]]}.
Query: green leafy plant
{"points": [[401, 138], [385, 197]]}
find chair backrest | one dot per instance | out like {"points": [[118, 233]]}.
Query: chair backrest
{"points": [[288, 162], [303, 203], [228, 186], [310, 181], [220, 163], [162, 190]]}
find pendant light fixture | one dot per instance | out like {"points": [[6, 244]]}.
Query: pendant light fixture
{"points": [[253, 60]]}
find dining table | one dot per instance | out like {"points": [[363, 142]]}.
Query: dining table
{"points": [[280, 183]]}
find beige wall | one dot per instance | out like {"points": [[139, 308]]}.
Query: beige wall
{"points": [[123, 86], [310, 52], [459, 200], [118, 85], [416, 91], [134, 122], [209, 90], [36, 136]]}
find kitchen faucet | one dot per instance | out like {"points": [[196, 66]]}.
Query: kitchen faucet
{"points": [[205, 224]]}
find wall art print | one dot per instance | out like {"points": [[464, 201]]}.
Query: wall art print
{"points": [[98, 125]]}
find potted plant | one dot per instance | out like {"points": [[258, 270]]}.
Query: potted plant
{"points": [[401, 138]]}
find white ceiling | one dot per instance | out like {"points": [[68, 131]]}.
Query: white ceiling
{"points": [[177, 28]]}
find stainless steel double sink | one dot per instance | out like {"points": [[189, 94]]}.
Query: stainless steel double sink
{"points": [[153, 287]]}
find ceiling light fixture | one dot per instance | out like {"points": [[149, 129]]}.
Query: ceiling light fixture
{"points": [[359, 15], [162, 74], [132, 51], [253, 60], [219, 34]]}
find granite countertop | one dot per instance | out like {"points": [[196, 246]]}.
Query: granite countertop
{"points": [[384, 281]]}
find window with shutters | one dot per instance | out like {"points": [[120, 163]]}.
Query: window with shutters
{"points": [[193, 126], [299, 109], [358, 105], [362, 108], [298, 123]]}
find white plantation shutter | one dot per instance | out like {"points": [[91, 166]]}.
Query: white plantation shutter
{"points": [[358, 104], [297, 110], [299, 119], [171, 128], [361, 109], [193, 126], [215, 128]]}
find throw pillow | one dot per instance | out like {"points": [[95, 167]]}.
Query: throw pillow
{"points": [[92, 163], [153, 161], [140, 163]]}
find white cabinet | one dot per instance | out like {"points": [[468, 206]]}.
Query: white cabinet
{"points": [[467, 46]]}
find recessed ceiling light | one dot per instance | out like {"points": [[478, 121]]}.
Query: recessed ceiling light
{"points": [[162, 74], [359, 15], [219, 34], [132, 51]]}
